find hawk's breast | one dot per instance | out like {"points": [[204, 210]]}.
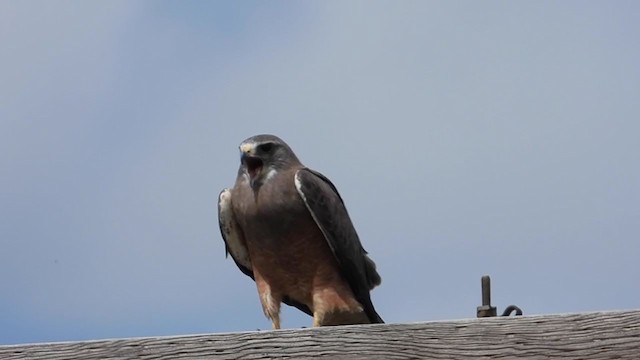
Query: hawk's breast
{"points": [[285, 244]]}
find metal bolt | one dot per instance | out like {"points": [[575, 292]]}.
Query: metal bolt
{"points": [[486, 310]]}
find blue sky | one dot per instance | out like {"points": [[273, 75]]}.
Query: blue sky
{"points": [[467, 138]]}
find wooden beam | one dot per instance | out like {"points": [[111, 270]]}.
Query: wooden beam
{"points": [[600, 335]]}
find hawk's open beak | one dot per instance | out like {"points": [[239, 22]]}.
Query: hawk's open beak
{"points": [[253, 165]]}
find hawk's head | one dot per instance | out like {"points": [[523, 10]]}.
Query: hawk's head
{"points": [[262, 156]]}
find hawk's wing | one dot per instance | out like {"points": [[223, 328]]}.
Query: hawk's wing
{"points": [[236, 246], [232, 234], [328, 211]]}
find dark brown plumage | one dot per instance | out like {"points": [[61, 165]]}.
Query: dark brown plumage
{"points": [[287, 227]]}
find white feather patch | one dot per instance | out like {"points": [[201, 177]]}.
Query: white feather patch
{"points": [[270, 174], [296, 180]]}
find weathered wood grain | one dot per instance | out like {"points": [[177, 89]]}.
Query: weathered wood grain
{"points": [[602, 335]]}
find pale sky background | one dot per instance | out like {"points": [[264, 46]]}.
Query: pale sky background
{"points": [[466, 137]]}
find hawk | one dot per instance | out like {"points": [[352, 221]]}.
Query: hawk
{"points": [[287, 228]]}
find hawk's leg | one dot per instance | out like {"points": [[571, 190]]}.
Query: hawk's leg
{"points": [[336, 306], [270, 301], [317, 319], [275, 322]]}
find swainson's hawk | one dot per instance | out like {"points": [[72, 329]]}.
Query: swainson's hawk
{"points": [[287, 228]]}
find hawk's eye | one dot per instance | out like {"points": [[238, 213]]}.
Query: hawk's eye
{"points": [[266, 147]]}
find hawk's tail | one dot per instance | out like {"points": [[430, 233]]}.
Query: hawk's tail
{"points": [[373, 316]]}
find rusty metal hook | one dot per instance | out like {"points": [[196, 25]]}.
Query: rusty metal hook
{"points": [[510, 309]]}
